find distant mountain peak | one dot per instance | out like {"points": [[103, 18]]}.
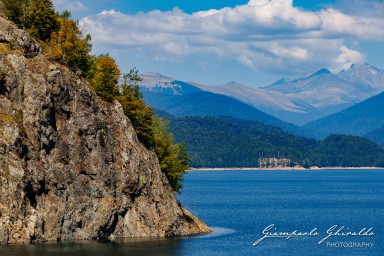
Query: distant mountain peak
{"points": [[155, 75], [361, 67], [152, 74], [151, 79], [233, 85], [316, 72], [364, 73], [361, 64], [322, 71]]}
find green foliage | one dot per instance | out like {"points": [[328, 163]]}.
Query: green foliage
{"points": [[173, 157], [228, 142], [153, 131], [105, 78], [42, 20], [69, 45], [134, 107], [347, 150], [38, 17], [16, 11], [150, 130], [59, 35]]}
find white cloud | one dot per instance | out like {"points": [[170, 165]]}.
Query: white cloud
{"points": [[337, 24], [263, 35], [348, 57]]}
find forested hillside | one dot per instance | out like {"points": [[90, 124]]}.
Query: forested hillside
{"points": [[228, 142]]}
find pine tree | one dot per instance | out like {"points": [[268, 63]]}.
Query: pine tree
{"points": [[41, 19]]}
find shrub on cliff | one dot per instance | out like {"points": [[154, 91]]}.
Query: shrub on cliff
{"points": [[70, 45], [173, 158], [151, 131], [16, 11], [105, 78], [134, 107], [38, 17], [41, 19]]}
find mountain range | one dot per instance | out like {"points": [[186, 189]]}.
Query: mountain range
{"points": [[363, 119], [311, 96], [184, 99], [350, 102]]}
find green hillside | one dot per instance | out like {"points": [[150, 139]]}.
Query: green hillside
{"points": [[229, 142]]}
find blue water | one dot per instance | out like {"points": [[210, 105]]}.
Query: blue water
{"points": [[242, 203], [238, 205]]}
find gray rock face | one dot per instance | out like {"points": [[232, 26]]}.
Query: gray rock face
{"points": [[71, 166], [18, 39]]}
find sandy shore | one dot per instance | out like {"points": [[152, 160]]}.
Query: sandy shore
{"points": [[285, 169]]}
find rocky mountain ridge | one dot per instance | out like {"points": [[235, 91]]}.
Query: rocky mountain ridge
{"points": [[71, 165], [302, 99]]}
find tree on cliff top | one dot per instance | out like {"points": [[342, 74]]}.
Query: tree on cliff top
{"points": [[42, 19], [16, 11], [134, 107], [173, 158], [38, 17], [105, 78], [69, 45]]}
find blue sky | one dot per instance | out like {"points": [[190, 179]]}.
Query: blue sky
{"points": [[253, 42]]}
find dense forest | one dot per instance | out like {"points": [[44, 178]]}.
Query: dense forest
{"points": [[63, 42], [228, 142]]}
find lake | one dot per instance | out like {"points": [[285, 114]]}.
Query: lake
{"points": [[239, 205]]}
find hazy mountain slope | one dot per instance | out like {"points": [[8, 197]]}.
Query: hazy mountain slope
{"points": [[376, 136], [183, 99], [360, 119], [253, 96], [309, 97], [201, 103], [313, 95]]}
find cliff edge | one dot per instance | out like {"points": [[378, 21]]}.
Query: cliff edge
{"points": [[71, 166]]}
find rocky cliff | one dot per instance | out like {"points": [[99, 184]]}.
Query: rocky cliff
{"points": [[71, 166]]}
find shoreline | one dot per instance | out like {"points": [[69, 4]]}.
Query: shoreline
{"points": [[284, 168]]}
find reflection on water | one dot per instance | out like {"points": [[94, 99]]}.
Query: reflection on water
{"points": [[216, 232], [121, 247], [130, 247]]}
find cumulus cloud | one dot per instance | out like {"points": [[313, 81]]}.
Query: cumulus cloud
{"points": [[262, 35]]}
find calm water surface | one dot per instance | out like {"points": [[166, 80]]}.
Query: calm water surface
{"points": [[238, 205]]}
